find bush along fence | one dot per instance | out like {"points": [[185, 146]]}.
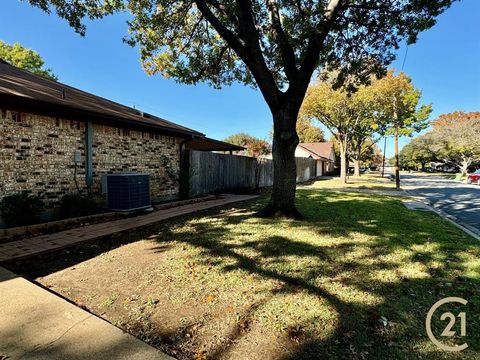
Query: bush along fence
{"points": [[213, 172]]}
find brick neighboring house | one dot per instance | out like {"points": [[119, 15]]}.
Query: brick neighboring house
{"points": [[55, 138], [323, 153]]}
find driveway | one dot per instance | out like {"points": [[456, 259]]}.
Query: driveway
{"points": [[454, 198]]}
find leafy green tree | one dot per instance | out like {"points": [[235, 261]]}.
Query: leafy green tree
{"points": [[367, 124], [275, 44], [456, 138], [309, 133], [400, 102], [371, 154], [419, 151], [240, 139], [333, 109], [26, 59], [352, 118]]}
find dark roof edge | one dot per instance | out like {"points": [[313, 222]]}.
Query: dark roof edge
{"points": [[137, 111]]}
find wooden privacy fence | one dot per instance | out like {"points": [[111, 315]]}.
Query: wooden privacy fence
{"points": [[213, 173]]}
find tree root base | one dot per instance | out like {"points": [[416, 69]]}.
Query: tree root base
{"points": [[276, 212]]}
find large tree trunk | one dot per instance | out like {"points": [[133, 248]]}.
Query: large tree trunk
{"points": [[356, 162], [285, 141], [343, 159], [356, 166]]}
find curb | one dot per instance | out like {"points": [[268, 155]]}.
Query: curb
{"points": [[450, 218]]}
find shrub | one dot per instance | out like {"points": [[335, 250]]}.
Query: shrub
{"points": [[21, 209], [74, 205]]}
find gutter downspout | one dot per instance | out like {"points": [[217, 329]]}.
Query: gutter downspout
{"points": [[88, 155], [184, 174]]}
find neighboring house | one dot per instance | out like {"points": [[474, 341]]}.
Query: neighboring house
{"points": [[56, 140], [323, 153]]}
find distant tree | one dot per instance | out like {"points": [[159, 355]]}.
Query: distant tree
{"points": [[309, 133], [26, 59], [240, 139], [258, 147], [255, 146], [419, 151], [332, 108], [369, 123], [400, 103], [370, 154], [456, 138], [275, 45], [336, 150], [352, 118]]}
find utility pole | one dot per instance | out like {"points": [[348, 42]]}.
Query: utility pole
{"points": [[384, 150], [397, 157]]}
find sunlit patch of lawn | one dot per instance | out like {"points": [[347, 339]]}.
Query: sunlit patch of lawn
{"points": [[355, 279], [365, 181]]}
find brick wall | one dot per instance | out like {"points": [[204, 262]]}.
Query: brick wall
{"points": [[37, 155], [119, 150]]}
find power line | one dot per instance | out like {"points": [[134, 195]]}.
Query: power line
{"points": [[405, 57]]}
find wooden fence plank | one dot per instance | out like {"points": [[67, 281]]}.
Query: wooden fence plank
{"points": [[213, 172]]}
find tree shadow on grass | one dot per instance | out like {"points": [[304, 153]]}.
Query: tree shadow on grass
{"points": [[391, 328], [364, 232]]}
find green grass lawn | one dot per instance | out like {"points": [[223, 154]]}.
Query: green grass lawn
{"points": [[365, 181], [354, 280]]}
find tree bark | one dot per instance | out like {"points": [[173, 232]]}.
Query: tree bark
{"points": [[466, 162], [285, 141], [356, 164]]}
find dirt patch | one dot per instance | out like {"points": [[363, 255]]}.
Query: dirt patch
{"points": [[138, 288]]}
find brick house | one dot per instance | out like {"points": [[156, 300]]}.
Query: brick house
{"points": [[55, 140]]}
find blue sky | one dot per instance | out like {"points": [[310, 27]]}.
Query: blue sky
{"points": [[444, 63]]}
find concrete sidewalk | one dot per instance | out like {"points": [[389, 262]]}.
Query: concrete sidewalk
{"points": [[36, 324]]}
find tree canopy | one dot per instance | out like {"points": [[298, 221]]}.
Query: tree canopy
{"points": [[400, 102], [453, 139], [419, 151], [24, 58], [252, 40], [308, 132], [456, 138], [352, 118]]}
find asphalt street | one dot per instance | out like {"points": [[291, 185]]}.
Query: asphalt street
{"points": [[454, 198]]}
